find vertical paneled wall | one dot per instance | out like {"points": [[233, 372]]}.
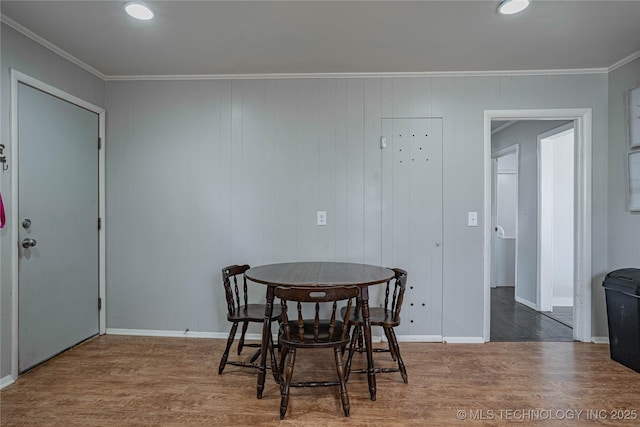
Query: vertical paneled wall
{"points": [[241, 168], [201, 174]]}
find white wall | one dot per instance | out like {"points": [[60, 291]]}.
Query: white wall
{"points": [[26, 56]]}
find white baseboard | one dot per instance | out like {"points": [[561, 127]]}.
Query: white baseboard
{"points": [[161, 333], [224, 335], [600, 340], [562, 302], [527, 303], [177, 334], [417, 338], [463, 340], [258, 337], [6, 381]]}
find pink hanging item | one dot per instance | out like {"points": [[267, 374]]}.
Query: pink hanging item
{"points": [[2, 217]]}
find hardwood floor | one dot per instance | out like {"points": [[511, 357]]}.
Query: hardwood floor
{"points": [[511, 321], [133, 381]]}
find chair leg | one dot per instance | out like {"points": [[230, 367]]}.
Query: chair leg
{"points": [[394, 343], [225, 355], [352, 349], [245, 324], [392, 349], [284, 389], [278, 345], [283, 358], [274, 363], [255, 356], [350, 328], [343, 387], [360, 340]]}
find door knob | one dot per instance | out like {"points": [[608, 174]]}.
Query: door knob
{"points": [[28, 243]]}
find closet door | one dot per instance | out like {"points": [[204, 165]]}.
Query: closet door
{"points": [[412, 217]]}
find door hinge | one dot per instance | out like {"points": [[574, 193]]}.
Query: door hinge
{"points": [[99, 143], [99, 304], [99, 223]]}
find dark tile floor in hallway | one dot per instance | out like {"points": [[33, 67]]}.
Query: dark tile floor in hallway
{"points": [[512, 321]]}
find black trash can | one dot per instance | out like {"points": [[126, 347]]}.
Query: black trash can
{"points": [[622, 290]]}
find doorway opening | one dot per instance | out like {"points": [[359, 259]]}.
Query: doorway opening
{"points": [[527, 273]]}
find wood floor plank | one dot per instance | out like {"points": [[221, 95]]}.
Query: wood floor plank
{"points": [[134, 381]]}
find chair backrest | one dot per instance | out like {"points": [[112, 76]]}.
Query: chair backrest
{"points": [[399, 282], [331, 331], [236, 295]]}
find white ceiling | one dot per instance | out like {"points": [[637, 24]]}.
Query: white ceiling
{"points": [[277, 37]]}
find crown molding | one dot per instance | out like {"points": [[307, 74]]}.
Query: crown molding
{"points": [[624, 61], [40, 40], [267, 76]]}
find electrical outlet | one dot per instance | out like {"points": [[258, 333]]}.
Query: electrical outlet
{"points": [[322, 218], [472, 220]]}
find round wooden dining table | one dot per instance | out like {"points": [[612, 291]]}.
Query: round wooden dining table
{"points": [[321, 274]]}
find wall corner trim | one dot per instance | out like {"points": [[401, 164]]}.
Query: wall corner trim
{"points": [[6, 381]]}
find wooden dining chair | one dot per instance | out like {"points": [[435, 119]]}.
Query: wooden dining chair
{"points": [[388, 317], [313, 334], [240, 311]]}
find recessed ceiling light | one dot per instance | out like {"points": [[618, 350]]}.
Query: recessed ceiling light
{"points": [[139, 11], [509, 7]]}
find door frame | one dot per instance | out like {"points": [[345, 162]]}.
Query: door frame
{"points": [[582, 118], [16, 78]]}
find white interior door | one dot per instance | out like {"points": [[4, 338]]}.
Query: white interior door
{"points": [[412, 217], [556, 218], [58, 210]]}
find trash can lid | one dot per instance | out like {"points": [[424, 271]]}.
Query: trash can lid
{"points": [[625, 280]]}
